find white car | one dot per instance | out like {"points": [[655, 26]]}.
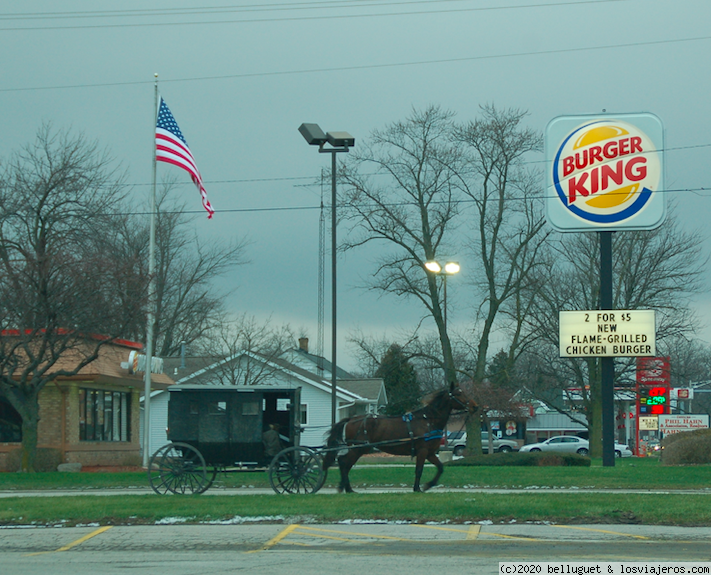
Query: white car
{"points": [[458, 443], [571, 444]]}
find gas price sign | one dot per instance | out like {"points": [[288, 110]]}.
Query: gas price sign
{"points": [[653, 400]]}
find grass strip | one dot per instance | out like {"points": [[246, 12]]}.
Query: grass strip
{"points": [[633, 473], [564, 508]]}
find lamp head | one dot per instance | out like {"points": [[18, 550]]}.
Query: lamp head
{"points": [[313, 134], [451, 267], [340, 139]]}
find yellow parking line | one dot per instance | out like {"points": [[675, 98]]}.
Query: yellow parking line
{"points": [[321, 536], [515, 537], [303, 527], [75, 543], [441, 528], [274, 540], [601, 531], [473, 532]]}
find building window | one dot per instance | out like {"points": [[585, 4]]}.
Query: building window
{"points": [[104, 415], [10, 423]]}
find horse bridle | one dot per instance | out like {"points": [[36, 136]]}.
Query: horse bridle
{"points": [[459, 401]]}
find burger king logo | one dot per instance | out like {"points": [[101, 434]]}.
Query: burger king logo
{"points": [[604, 172]]}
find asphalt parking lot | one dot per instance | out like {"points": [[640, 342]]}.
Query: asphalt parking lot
{"points": [[344, 548]]}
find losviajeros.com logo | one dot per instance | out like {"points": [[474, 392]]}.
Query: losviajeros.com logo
{"points": [[606, 171]]}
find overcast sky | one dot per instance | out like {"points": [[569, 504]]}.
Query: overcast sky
{"points": [[240, 78]]}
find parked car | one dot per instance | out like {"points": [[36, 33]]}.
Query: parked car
{"points": [[457, 442], [571, 444]]}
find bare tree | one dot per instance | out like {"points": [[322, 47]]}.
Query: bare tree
{"points": [[412, 188], [690, 360], [56, 195], [509, 232], [657, 269], [245, 350], [402, 194], [510, 222], [188, 304]]}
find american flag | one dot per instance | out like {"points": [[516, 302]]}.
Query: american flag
{"points": [[171, 147]]}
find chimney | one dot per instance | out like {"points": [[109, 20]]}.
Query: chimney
{"points": [[304, 344]]}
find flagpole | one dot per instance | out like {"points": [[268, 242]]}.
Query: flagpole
{"points": [[151, 296]]}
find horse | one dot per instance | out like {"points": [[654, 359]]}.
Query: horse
{"points": [[417, 434]]}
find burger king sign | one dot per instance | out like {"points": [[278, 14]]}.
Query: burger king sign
{"points": [[605, 173]]}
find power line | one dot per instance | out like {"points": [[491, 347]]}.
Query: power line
{"points": [[368, 66], [695, 191], [314, 181], [284, 7], [197, 11]]}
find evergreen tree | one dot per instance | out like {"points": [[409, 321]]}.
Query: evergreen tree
{"points": [[400, 381]]}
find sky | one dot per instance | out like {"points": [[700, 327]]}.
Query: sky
{"points": [[241, 77]]}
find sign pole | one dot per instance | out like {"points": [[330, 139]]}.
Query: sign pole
{"points": [[607, 364], [636, 420]]}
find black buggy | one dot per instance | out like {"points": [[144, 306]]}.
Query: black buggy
{"points": [[218, 428]]}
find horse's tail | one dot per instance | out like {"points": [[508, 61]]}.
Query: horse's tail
{"points": [[333, 441]]}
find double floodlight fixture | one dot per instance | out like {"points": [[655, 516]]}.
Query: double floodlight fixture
{"points": [[315, 136], [449, 268]]}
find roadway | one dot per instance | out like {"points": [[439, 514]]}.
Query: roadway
{"points": [[346, 548]]}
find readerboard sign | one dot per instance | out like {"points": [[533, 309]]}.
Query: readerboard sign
{"points": [[676, 423], [607, 333], [605, 172]]}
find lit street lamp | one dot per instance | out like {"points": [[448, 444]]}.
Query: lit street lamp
{"points": [[450, 268], [338, 142]]}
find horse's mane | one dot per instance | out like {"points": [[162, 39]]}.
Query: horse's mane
{"points": [[433, 401]]}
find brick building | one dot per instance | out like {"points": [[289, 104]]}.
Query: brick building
{"points": [[91, 418]]}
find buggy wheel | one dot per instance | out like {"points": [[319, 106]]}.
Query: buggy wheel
{"points": [[179, 468], [297, 470], [211, 474]]}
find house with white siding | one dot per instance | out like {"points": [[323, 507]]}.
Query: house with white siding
{"points": [[353, 395]]}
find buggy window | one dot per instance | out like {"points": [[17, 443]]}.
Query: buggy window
{"points": [[217, 408], [250, 408]]}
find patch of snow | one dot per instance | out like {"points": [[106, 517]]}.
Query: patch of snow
{"points": [[238, 520], [173, 520]]}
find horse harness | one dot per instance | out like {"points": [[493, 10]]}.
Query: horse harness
{"points": [[430, 435]]}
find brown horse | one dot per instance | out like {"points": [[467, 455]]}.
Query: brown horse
{"points": [[417, 434]]}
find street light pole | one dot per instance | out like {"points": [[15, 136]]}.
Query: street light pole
{"points": [[450, 268], [334, 283], [339, 142]]}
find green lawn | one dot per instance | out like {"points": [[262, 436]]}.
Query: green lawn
{"points": [[542, 503], [632, 473], [566, 508]]}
